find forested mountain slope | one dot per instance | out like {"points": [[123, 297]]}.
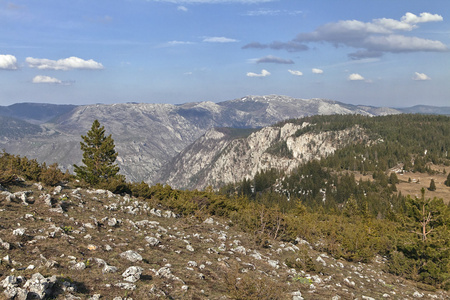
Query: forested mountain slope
{"points": [[364, 142]]}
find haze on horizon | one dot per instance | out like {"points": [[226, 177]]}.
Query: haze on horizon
{"points": [[374, 52]]}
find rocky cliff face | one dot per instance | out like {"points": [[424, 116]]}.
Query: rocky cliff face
{"points": [[217, 159], [147, 136]]}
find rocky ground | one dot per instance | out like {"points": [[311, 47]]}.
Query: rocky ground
{"points": [[72, 243]]}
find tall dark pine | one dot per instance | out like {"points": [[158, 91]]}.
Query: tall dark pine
{"points": [[99, 156]]}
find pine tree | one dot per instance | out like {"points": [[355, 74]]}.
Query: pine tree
{"points": [[99, 156], [447, 182], [432, 185]]}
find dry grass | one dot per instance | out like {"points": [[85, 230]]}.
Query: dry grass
{"points": [[419, 181]]}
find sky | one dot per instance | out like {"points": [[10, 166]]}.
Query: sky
{"points": [[371, 52]]}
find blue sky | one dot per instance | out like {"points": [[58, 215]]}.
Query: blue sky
{"points": [[372, 52]]}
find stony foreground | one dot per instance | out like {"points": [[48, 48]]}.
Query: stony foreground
{"points": [[66, 243]]}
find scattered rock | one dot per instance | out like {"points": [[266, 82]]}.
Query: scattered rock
{"points": [[40, 287], [92, 247], [5, 245], [152, 241], [209, 221], [320, 260], [112, 222], [109, 269], [57, 190], [78, 266], [273, 263], [125, 286], [131, 255], [417, 295], [19, 231], [296, 295], [132, 274]]}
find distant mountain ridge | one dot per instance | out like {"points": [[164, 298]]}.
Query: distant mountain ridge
{"points": [[147, 136], [426, 109], [35, 112]]}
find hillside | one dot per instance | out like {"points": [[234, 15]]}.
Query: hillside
{"points": [[75, 243], [12, 128], [149, 135], [218, 158]]}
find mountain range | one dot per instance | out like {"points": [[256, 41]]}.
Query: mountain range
{"points": [[148, 137]]}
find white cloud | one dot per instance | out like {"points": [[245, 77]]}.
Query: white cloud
{"points": [[274, 59], [411, 18], [182, 8], [420, 76], [174, 43], [219, 39], [46, 79], [355, 76], [401, 43], [296, 73], [8, 62], [263, 73], [63, 64], [317, 71]]}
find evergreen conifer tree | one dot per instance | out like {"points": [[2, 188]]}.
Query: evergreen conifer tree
{"points": [[447, 182], [99, 156], [432, 185]]}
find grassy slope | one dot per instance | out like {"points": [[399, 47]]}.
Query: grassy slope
{"points": [[222, 270]]}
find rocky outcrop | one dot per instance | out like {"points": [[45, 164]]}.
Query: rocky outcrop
{"points": [[216, 158]]}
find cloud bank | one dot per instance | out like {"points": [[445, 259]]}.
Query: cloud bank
{"points": [[219, 39], [8, 62], [63, 64], [274, 60], [371, 39], [263, 73], [377, 37], [291, 46], [273, 12]]}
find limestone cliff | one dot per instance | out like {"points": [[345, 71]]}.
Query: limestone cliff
{"points": [[217, 158]]}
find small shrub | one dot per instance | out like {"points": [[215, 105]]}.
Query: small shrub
{"points": [[67, 229], [52, 175], [302, 261], [7, 178], [303, 280]]}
